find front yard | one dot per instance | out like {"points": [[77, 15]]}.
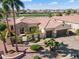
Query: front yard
{"points": [[70, 47]]}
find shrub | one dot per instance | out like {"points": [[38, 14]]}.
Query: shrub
{"points": [[35, 47], [36, 57], [2, 26], [77, 32]]}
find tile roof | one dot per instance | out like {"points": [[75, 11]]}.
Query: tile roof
{"points": [[32, 20], [27, 20], [72, 19], [63, 26], [11, 21], [45, 22], [53, 24]]}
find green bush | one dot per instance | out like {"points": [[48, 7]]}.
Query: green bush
{"points": [[35, 47], [77, 32], [2, 26], [36, 57]]}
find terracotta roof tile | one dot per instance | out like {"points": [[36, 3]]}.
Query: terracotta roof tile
{"points": [[72, 19], [53, 24], [32, 20]]}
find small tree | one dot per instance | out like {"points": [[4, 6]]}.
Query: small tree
{"points": [[68, 11], [52, 44], [59, 14], [36, 57], [49, 14]]}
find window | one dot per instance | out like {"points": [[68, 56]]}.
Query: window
{"points": [[11, 27], [22, 30], [33, 29]]}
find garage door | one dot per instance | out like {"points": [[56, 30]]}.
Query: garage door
{"points": [[48, 34], [61, 33]]}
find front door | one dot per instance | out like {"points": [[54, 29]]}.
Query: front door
{"points": [[48, 34], [22, 30]]}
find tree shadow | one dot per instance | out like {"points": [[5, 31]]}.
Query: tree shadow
{"points": [[62, 50], [65, 50]]}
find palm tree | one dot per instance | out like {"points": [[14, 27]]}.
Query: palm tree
{"points": [[6, 9], [3, 35], [15, 4], [68, 11], [1, 14]]}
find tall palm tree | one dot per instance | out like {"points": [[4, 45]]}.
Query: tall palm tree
{"points": [[15, 4], [3, 35], [1, 14], [17, 10], [5, 13]]}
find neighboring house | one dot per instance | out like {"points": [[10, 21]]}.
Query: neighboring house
{"points": [[73, 21]]}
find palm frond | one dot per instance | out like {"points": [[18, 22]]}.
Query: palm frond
{"points": [[18, 2], [5, 6]]}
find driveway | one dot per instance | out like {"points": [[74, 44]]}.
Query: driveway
{"points": [[71, 41]]}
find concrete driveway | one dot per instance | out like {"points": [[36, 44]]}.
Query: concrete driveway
{"points": [[71, 41]]}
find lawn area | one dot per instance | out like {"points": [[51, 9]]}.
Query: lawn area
{"points": [[34, 15]]}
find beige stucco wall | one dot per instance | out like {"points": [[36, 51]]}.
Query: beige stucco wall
{"points": [[26, 27], [74, 26], [20, 25]]}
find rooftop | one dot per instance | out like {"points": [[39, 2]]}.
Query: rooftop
{"points": [[46, 22], [72, 18], [53, 24]]}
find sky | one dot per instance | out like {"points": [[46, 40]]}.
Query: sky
{"points": [[51, 4]]}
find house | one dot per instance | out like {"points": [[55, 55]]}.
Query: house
{"points": [[72, 20], [49, 27], [23, 25], [56, 29]]}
